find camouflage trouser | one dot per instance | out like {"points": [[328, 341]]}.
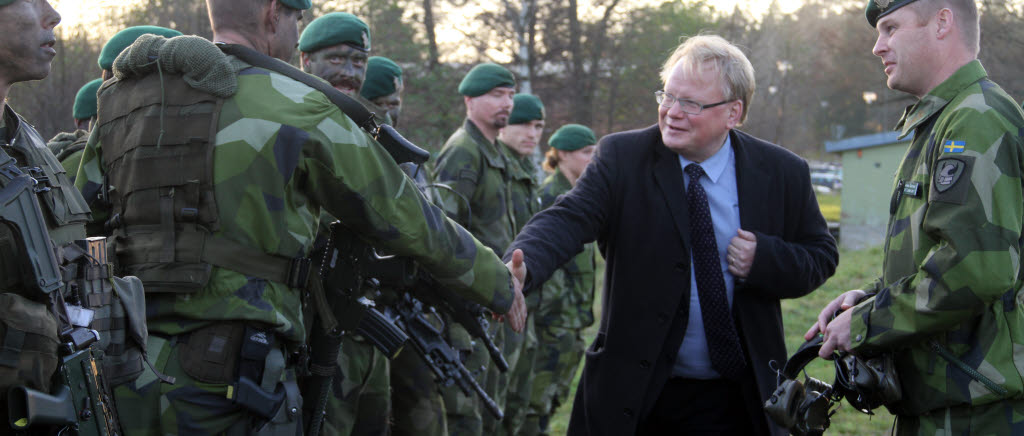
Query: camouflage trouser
{"points": [[558, 357], [1002, 418], [418, 407], [520, 382], [465, 412], [360, 401], [191, 407]]}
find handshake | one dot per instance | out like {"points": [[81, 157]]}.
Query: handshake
{"points": [[516, 316]]}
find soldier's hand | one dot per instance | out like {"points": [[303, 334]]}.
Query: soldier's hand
{"points": [[740, 253], [837, 335], [843, 302], [516, 316]]}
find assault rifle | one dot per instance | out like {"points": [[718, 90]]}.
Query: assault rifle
{"points": [[79, 401], [421, 294]]}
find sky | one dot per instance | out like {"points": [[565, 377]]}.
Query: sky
{"points": [[75, 12]]}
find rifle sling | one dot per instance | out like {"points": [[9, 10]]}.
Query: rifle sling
{"points": [[352, 108]]}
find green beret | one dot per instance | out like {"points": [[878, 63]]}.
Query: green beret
{"points": [[85, 100], [572, 137], [382, 78], [879, 8], [298, 4], [121, 40], [526, 108], [485, 77], [6, 2], [333, 29]]}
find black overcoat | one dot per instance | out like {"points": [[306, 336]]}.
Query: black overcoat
{"points": [[631, 199]]}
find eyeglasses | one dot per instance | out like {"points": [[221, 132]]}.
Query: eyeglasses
{"points": [[691, 107]]}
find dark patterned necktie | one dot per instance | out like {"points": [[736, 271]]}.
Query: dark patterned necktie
{"points": [[723, 341]]}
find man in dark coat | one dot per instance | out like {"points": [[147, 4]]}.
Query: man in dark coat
{"points": [[695, 271]]}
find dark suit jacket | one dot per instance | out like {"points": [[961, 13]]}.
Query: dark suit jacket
{"points": [[632, 200]]}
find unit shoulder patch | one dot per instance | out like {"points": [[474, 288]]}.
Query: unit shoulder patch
{"points": [[947, 181]]}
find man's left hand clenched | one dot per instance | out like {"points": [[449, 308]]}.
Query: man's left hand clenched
{"points": [[740, 253]]}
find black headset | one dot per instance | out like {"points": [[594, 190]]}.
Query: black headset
{"points": [[803, 408]]}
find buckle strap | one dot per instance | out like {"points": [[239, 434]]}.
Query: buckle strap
{"points": [[231, 255]]}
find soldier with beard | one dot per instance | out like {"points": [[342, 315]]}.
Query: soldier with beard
{"points": [[477, 169], [336, 48]]}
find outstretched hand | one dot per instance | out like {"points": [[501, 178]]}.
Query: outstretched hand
{"points": [[516, 316]]}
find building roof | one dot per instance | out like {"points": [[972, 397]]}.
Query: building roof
{"points": [[866, 141]]}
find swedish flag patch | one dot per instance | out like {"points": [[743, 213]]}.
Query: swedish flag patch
{"points": [[951, 146]]}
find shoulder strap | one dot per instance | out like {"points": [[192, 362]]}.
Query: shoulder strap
{"points": [[352, 108]]}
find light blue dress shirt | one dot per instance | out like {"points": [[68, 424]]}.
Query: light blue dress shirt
{"points": [[692, 360]]}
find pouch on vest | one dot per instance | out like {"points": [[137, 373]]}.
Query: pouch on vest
{"points": [[116, 305], [28, 344]]}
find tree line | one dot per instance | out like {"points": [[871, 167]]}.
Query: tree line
{"points": [[594, 62]]}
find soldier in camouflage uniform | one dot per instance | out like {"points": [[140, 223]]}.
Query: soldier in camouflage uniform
{"points": [[947, 305], [519, 138], [568, 296], [67, 146], [334, 47], [26, 47], [475, 166], [28, 326], [225, 313], [383, 88]]}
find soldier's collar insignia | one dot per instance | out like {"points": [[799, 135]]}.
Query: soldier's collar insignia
{"points": [[951, 146]]}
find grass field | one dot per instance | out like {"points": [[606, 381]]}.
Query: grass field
{"points": [[829, 205], [856, 268]]}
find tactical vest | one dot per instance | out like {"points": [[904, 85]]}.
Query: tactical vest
{"points": [[158, 136], [28, 331]]}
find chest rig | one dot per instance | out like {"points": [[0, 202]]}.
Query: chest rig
{"points": [[158, 137]]}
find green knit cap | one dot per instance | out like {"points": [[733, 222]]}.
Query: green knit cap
{"points": [[571, 137], [121, 40], [383, 76], [333, 29], [298, 4], [85, 100], [526, 108], [877, 9], [485, 77]]}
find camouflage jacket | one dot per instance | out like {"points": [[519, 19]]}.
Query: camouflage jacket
{"points": [[523, 200], [282, 153], [68, 148], [62, 204], [480, 174], [522, 189], [568, 296], [951, 272]]}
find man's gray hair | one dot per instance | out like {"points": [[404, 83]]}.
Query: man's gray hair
{"points": [[711, 52]]}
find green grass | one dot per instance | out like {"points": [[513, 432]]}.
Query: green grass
{"points": [[829, 205], [856, 268]]}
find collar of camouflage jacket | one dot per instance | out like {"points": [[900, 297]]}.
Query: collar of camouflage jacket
{"points": [[489, 149], [938, 98]]}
